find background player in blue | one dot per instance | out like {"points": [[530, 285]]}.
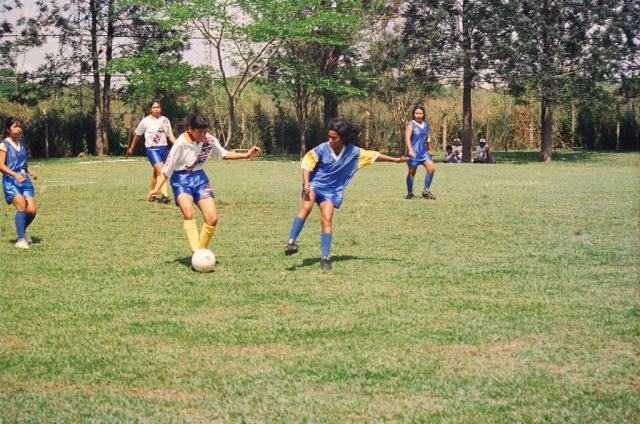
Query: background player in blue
{"points": [[326, 171], [190, 184], [156, 130], [16, 184], [417, 139]]}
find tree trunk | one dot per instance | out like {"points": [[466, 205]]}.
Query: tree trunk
{"points": [[573, 125], [106, 91], [444, 133], [617, 127], [231, 120], [467, 80], [331, 103], [546, 133], [95, 67]]}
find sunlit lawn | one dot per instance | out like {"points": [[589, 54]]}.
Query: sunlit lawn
{"points": [[512, 297]]}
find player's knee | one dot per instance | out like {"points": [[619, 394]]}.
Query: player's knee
{"points": [[211, 220], [31, 209]]}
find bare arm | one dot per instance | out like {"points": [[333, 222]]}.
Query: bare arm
{"points": [[385, 158], [6, 170], [234, 155], [132, 145], [407, 140], [171, 139], [32, 173]]}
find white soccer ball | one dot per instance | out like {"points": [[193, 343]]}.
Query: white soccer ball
{"points": [[203, 260]]}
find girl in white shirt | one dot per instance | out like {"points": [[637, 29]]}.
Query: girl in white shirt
{"points": [[190, 184]]}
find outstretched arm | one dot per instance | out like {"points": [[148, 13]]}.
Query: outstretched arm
{"points": [[385, 158], [234, 155]]}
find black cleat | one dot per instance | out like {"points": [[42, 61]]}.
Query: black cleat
{"points": [[409, 196], [325, 263], [166, 200], [426, 194], [291, 248]]}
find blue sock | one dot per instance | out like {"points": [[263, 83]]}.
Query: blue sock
{"points": [[409, 183], [30, 219], [21, 222], [296, 227], [427, 181], [325, 243]]}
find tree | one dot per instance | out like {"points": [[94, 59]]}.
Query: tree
{"points": [[452, 39], [552, 50]]}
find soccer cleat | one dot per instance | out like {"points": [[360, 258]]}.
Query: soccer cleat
{"points": [[325, 263], [291, 248], [166, 200], [22, 244], [28, 239], [409, 196], [426, 194]]}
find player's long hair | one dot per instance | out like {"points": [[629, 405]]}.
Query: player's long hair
{"points": [[198, 122], [347, 130], [9, 122]]}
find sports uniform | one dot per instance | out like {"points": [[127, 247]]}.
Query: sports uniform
{"points": [[330, 173], [17, 162], [419, 144], [155, 131]]}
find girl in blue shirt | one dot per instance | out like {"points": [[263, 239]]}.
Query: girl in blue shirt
{"points": [[418, 145], [16, 181]]}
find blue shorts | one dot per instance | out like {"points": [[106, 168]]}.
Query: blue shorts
{"points": [[323, 196], [413, 162], [195, 184], [157, 154], [12, 187]]}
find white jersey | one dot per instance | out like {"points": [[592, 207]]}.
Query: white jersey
{"points": [[481, 151], [155, 131], [191, 156]]}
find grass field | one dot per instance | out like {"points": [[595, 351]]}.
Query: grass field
{"points": [[512, 297]]}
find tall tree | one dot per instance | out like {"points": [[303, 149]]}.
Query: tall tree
{"points": [[452, 39], [551, 50]]}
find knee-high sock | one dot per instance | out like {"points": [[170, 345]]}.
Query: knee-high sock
{"points": [[409, 183], [205, 236], [163, 189], [154, 180], [296, 227], [21, 222], [325, 244], [30, 218], [191, 231], [427, 180]]}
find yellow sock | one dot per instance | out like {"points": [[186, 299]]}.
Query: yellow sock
{"points": [[163, 189], [154, 180], [205, 236], [191, 230]]}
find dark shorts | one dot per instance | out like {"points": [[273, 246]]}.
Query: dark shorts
{"points": [[12, 187], [157, 154], [195, 184]]}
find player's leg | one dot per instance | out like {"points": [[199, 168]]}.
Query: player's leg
{"points": [[185, 203], [431, 170], [411, 173], [306, 206], [20, 203], [326, 218], [157, 169], [31, 214], [210, 215]]}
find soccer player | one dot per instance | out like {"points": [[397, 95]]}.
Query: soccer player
{"points": [[190, 184], [326, 171], [418, 144], [156, 130], [16, 184]]}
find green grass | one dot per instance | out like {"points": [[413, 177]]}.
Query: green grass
{"points": [[512, 297]]}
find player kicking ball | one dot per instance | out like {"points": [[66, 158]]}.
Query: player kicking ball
{"points": [[190, 184], [326, 172]]}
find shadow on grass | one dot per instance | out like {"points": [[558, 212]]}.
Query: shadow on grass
{"points": [[186, 261], [34, 240], [566, 155], [316, 261]]}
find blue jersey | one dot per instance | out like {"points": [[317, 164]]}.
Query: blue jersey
{"points": [[419, 141], [16, 159], [17, 162], [330, 173]]}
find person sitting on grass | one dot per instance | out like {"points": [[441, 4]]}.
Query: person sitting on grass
{"points": [[190, 184], [483, 152], [326, 172], [452, 156]]}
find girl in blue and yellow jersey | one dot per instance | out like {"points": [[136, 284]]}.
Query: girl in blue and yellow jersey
{"points": [[156, 130], [418, 144], [190, 184], [16, 184], [326, 171]]}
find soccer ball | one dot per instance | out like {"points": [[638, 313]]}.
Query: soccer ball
{"points": [[203, 260]]}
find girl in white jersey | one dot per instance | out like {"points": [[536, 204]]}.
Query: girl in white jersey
{"points": [[156, 130], [189, 182]]}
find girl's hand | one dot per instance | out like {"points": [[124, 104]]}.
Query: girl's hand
{"points": [[306, 189], [402, 159], [33, 174], [412, 153], [21, 178], [152, 195], [255, 150]]}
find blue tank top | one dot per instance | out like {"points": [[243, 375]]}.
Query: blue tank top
{"points": [[418, 140], [16, 159]]}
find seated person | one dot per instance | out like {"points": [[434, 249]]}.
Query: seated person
{"points": [[483, 152], [453, 156]]}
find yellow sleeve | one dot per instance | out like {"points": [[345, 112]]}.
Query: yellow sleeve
{"points": [[309, 161], [367, 157]]}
